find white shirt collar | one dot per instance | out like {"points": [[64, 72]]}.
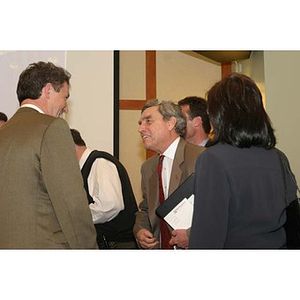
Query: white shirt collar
{"points": [[203, 143], [170, 152], [34, 107], [167, 165]]}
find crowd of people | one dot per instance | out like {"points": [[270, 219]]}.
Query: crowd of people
{"points": [[57, 193]]}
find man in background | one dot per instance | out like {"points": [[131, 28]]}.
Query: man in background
{"points": [[110, 196], [3, 119], [198, 125], [162, 126], [43, 202]]}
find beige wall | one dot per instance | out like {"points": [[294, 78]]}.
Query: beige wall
{"points": [[132, 75], [282, 80], [255, 68], [177, 75], [277, 75], [132, 153], [91, 102], [180, 75], [132, 87]]}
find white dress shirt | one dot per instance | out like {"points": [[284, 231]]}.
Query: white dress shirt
{"points": [[105, 188], [167, 165]]}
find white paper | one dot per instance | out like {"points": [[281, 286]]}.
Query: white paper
{"points": [[180, 217]]}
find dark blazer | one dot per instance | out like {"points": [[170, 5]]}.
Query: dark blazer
{"points": [[43, 203], [239, 199], [183, 165]]}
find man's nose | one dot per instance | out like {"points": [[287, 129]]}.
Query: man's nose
{"points": [[141, 128]]}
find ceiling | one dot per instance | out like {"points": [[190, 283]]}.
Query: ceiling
{"points": [[225, 56]]}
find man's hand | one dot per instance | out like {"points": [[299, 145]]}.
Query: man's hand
{"points": [[179, 238], [146, 239]]}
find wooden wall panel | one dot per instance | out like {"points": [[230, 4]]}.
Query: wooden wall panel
{"points": [[150, 89]]}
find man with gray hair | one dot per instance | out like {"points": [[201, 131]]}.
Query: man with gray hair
{"points": [[162, 126]]}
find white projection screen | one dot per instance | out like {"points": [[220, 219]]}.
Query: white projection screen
{"points": [[93, 102]]}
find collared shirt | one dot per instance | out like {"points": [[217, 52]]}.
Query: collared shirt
{"points": [[105, 188], [167, 165], [34, 107], [203, 143]]}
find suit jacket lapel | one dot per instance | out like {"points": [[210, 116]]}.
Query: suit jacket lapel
{"points": [[153, 192]]}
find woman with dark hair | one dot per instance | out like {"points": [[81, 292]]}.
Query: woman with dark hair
{"points": [[239, 189]]}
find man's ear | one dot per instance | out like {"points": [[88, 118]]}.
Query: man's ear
{"points": [[197, 121], [172, 123], [47, 89]]}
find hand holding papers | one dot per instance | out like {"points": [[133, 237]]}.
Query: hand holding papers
{"points": [[181, 216], [177, 209]]}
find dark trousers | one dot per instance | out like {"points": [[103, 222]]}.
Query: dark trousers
{"points": [[104, 244]]}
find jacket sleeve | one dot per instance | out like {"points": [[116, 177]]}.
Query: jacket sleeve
{"points": [[142, 216], [63, 180]]}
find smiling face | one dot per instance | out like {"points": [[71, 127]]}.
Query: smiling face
{"points": [[157, 133], [58, 100]]}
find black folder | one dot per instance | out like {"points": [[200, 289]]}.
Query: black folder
{"points": [[185, 190]]}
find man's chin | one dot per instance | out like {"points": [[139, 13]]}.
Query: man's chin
{"points": [[147, 146]]}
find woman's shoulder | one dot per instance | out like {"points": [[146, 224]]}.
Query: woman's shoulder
{"points": [[220, 148], [222, 152]]}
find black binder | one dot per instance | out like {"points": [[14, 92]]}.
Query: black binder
{"points": [[185, 190]]}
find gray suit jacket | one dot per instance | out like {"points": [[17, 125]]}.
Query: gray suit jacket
{"points": [[43, 203], [183, 165]]}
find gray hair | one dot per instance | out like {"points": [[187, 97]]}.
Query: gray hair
{"points": [[169, 109]]}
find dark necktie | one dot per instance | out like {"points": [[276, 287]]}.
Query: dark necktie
{"points": [[164, 231]]}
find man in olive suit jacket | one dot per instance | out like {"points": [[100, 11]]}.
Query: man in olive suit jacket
{"points": [[43, 203], [162, 126]]}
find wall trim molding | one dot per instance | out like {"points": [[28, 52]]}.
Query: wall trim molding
{"points": [[131, 104]]}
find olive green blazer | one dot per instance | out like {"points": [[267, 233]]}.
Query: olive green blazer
{"points": [[43, 203]]}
